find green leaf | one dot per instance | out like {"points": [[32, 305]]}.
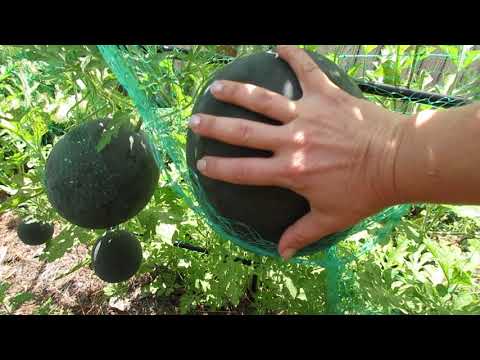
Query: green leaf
{"points": [[442, 290], [59, 245], [460, 277], [474, 245], [20, 299], [398, 254], [26, 90], [389, 72], [447, 83], [291, 287], [312, 48], [77, 267], [119, 119], [84, 62], [369, 48], [452, 51], [166, 232], [45, 308], [301, 295], [149, 219], [462, 301], [3, 291], [471, 57], [411, 231], [353, 70]]}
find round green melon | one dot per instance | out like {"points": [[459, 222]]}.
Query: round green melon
{"points": [[35, 233], [117, 256], [100, 189], [267, 210]]}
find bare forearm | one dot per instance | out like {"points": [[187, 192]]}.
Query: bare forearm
{"points": [[438, 157]]}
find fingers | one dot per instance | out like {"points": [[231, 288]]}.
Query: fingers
{"points": [[309, 229], [239, 132], [308, 72], [256, 99], [246, 171]]}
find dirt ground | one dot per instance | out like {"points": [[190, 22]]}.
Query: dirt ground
{"points": [[80, 293]]}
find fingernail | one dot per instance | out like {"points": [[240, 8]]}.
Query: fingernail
{"points": [[288, 253], [194, 121], [216, 87], [201, 165]]}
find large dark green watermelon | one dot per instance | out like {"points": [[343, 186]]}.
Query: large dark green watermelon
{"points": [[98, 190], [35, 233], [268, 210], [117, 256]]}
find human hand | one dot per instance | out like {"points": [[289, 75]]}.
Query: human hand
{"points": [[335, 150]]}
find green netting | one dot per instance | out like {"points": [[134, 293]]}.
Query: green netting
{"points": [[147, 76]]}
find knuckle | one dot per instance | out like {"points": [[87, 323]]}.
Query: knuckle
{"points": [[288, 176], [264, 101], [292, 51], [239, 174], [308, 66], [296, 239], [338, 96], [233, 91], [294, 169], [244, 133], [301, 138], [207, 124]]}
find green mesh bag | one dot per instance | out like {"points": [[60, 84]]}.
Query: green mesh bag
{"points": [[150, 77]]}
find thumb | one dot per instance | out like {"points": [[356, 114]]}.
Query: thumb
{"points": [[305, 231]]}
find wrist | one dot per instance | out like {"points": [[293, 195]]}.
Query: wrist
{"points": [[434, 163], [384, 173], [404, 162]]}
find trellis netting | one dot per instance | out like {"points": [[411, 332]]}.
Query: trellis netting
{"points": [[164, 85]]}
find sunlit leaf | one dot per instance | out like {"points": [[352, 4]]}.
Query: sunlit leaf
{"points": [[291, 287], [465, 211]]}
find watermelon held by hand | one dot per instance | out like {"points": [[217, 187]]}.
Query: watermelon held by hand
{"points": [[267, 210]]}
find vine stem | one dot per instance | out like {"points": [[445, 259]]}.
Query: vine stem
{"points": [[459, 71], [412, 73], [397, 70], [139, 125]]}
